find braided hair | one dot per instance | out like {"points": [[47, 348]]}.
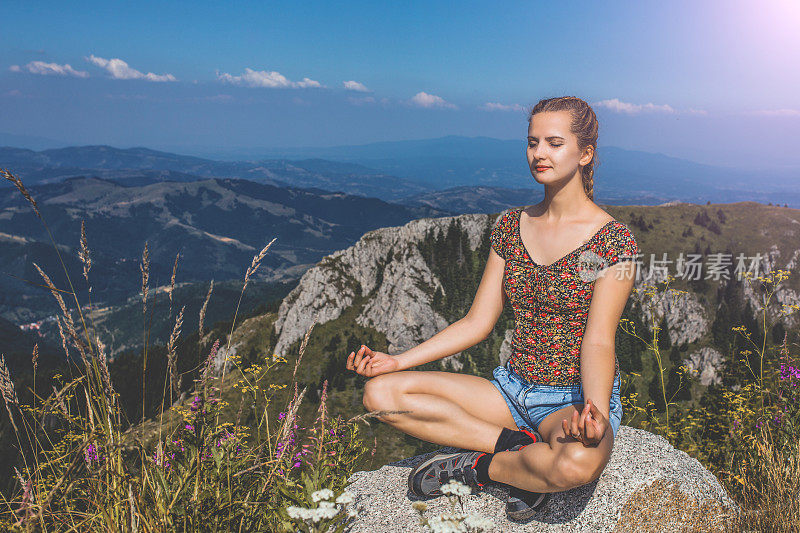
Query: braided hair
{"points": [[584, 125]]}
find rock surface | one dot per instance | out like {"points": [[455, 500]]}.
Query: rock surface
{"points": [[707, 364], [387, 265], [613, 502]]}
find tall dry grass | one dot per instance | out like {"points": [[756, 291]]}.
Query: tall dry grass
{"points": [[80, 470]]}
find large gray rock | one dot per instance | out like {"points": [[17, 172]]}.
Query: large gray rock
{"points": [[646, 481], [385, 264], [707, 364]]}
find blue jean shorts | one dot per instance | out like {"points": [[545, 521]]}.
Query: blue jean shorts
{"points": [[531, 403]]}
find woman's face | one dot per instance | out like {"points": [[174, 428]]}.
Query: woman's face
{"points": [[554, 148]]}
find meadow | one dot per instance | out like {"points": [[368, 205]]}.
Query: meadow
{"points": [[226, 442]]}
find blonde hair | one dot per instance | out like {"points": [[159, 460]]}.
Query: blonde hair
{"points": [[584, 126]]}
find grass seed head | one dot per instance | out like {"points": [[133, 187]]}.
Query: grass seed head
{"points": [[6, 384], [203, 311], [18, 184], [256, 262], [35, 356], [172, 280], [171, 352], [83, 253], [144, 266]]}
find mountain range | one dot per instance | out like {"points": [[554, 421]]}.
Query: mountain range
{"points": [[418, 171], [217, 225]]}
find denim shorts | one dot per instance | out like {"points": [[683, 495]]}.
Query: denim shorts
{"points": [[531, 403]]}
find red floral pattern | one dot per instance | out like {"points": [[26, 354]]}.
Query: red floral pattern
{"points": [[551, 303]]}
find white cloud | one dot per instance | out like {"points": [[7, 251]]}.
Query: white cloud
{"points": [[120, 70], [45, 69], [355, 86], [492, 106], [423, 99], [269, 79], [618, 106], [778, 112]]}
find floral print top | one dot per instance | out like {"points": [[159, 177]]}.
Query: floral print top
{"points": [[551, 303]]}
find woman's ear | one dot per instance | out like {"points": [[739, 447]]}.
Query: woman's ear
{"points": [[588, 154]]}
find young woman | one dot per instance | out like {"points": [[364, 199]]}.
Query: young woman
{"points": [[548, 419]]}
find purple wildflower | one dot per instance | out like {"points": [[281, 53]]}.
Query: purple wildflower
{"points": [[196, 403], [91, 456]]}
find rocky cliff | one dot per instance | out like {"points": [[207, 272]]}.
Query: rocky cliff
{"points": [[387, 266]]}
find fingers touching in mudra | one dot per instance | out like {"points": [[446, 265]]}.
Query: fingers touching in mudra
{"points": [[588, 426], [370, 363]]}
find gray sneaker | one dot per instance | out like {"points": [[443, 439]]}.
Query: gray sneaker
{"points": [[523, 504], [427, 478]]}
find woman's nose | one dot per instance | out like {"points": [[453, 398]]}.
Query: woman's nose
{"points": [[538, 152]]}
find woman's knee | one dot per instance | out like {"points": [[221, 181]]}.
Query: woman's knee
{"points": [[380, 393], [576, 465]]}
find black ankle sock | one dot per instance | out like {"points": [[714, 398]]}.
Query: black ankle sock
{"points": [[509, 438], [482, 468]]}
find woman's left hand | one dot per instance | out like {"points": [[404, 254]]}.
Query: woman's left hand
{"points": [[588, 427]]}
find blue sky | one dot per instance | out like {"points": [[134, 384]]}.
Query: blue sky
{"points": [[708, 81]]}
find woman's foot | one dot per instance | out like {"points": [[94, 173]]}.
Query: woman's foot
{"points": [[427, 478]]}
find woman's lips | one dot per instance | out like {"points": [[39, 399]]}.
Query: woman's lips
{"points": [[540, 169]]}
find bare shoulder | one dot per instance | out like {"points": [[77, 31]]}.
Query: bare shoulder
{"points": [[603, 217]]}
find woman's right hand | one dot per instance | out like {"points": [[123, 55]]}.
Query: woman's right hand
{"points": [[370, 363]]}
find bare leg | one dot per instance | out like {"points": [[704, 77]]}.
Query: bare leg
{"points": [[450, 409], [468, 412], [557, 463]]}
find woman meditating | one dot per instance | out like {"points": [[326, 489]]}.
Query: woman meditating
{"points": [[547, 421]]}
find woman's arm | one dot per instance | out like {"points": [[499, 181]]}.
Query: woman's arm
{"points": [[476, 325], [611, 291]]}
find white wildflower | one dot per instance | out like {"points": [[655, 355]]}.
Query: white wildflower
{"points": [[326, 512], [445, 524], [324, 494], [456, 488], [299, 513], [345, 498], [352, 512], [478, 523]]}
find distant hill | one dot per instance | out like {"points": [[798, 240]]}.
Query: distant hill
{"points": [[480, 199], [142, 166], [217, 225], [456, 160]]}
